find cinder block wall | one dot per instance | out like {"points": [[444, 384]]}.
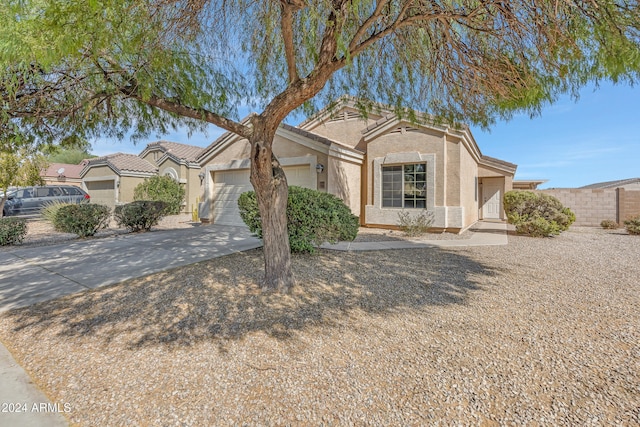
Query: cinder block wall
{"points": [[628, 203], [590, 206]]}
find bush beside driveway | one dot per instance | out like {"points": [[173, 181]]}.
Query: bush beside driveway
{"points": [[541, 330]]}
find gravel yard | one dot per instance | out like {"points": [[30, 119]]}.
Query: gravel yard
{"points": [[539, 332]]}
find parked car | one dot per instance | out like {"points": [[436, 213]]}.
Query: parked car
{"points": [[30, 200]]}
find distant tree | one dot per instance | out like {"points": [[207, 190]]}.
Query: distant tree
{"points": [[128, 65], [19, 167], [72, 156]]}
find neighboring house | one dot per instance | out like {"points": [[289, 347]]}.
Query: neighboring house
{"points": [[627, 184], [63, 173], [111, 179], [528, 184], [179, 161], [378, 166]]}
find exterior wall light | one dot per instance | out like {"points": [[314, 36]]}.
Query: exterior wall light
{"points": [[319, 167], [201, 176]]}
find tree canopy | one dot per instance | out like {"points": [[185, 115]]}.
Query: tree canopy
{"points": [[114, 66]]}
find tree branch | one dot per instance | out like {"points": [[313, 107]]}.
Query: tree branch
{"points": [[286, 23]]}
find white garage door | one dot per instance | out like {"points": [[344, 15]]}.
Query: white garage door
{"points": [[102, 192], [230, 184]]}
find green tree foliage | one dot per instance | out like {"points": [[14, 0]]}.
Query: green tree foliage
{"points": [[161, 189], [72, 156], [131, 66], [313, 218], [537, 214]]}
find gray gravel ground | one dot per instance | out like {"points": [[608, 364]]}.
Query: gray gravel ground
{"points": [[539, 332]]}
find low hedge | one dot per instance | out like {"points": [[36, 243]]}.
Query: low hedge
{"points": [[537, 214], [140, 215], [313, 218], [633, 225], [83, 219], [12, 231]]}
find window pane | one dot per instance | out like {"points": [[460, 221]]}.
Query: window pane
{"points": [[404, 186]]}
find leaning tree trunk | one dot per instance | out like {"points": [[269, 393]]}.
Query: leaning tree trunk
{"points": [[270, 184]]}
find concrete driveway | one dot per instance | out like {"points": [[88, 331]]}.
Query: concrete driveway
{"points": [[35, 274]]}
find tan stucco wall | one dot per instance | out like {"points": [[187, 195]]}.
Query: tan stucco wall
{"points": [[344, 182], [410, 142], [346, 131], [99, 171], [169, 163], [468, 187], [451, 179], [127, 185], [153, 156]]}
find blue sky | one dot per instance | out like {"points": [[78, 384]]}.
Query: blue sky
{"points": [[570, 144]]}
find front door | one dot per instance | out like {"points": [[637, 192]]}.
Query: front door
{"points": [[492, 199]]}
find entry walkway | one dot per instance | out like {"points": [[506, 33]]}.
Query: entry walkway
{"points": [[484, 234]]}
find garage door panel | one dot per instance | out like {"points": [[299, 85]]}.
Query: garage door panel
{"points": [[229, 185], [102, 192]]}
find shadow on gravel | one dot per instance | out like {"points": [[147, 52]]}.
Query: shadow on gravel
{"points": [[220, 299]]}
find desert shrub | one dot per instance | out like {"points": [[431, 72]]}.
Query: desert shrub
{"points": [[84, 219], [50, 211], [161, 189], [633, 225], [313, 218], [12, 230], [416, 224], [609, 224], [537, 214], [139, 215]]}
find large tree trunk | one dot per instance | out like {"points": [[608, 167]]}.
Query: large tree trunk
{"points": [[270, 184]]}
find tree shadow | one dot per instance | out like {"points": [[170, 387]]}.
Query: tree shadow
{"points": [[219, 300]]}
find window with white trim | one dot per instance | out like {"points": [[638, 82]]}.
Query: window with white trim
{"points": [[404, 186]]}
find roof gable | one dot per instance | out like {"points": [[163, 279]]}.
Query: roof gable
{"points": [[184, 153], [122, 164]]}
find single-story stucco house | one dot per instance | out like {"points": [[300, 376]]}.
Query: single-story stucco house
{"points": [[63, 173], [179, 161], [110, 180], [379, 166]]}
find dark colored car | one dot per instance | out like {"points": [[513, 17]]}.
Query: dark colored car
{"points": [[30, 200]]}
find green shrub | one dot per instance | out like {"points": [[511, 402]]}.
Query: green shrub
{"points": [[12, 230], [50, 211], [161, 189], [313, 218], [417, 224], [609, 224], [84, 219], [139, 215], [633, 225], [537, 214]]}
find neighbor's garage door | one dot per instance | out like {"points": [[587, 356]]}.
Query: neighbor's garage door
{"points": [[230, 184], [102, 192]]}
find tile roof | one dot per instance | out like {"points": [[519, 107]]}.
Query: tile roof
{"points": [[70, 171], [124, 162], [180, 151], [612, 184]]}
